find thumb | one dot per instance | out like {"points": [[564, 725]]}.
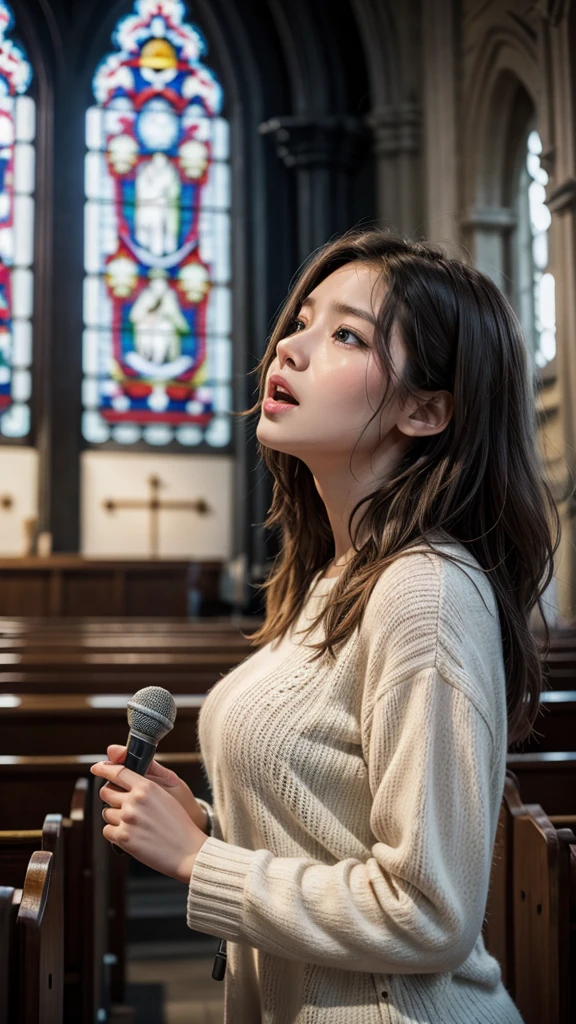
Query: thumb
{"points": [[116, 753]]}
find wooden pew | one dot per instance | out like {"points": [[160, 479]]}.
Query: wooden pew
{"points": [[530, 923], [106, 681], [74, 724], [7, 925], [16, 625], [555, 724], [88, 904], [104, 640], [107, 663], [23, 804], [95, 883], [544, 919], [559, 663], [498, 927], [128, 635], [102, 662], [547, 778], [26, 803], [77, 723], [31, 865]]}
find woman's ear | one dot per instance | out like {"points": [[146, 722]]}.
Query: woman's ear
{"points": [[424, 416]]}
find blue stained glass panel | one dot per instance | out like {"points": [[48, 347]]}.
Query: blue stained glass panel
{"points": [[157, 239]]}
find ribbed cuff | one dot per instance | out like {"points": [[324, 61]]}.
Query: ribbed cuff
{"points": [[216, 890]]}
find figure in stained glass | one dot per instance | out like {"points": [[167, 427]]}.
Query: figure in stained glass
{"points": [[157, 195], [156, 220], [159, 326]]}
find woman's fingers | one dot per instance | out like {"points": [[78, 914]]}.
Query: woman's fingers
{"points": [[165, 776], [111, 796], [156, 772], [117, 773], [111, 815]]}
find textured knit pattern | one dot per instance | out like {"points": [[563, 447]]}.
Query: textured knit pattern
{"points": [[355, 811]]}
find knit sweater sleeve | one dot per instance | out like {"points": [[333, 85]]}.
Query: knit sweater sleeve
{"points": [[416, 904]]}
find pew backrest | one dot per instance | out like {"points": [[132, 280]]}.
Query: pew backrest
{"points": [[542, 948], [6, 960], [548, 779], [34, 860], [498, 929]]}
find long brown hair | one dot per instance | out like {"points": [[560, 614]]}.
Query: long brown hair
{"points": [[480, 481]]}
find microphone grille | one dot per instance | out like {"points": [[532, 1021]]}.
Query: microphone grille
{"points": [[152, 712]]}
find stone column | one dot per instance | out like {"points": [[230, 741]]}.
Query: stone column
{"points": [[439, 102], [324, 153], [396, 132], [486, 229]]}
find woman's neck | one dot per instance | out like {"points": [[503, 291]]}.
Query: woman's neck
{"points": [[341, 490], [337, 565]]}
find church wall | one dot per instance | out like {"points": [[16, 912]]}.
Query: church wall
{"points": [[125, 533]]}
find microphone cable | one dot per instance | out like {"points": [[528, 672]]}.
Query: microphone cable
{"points": [[219, 968]]}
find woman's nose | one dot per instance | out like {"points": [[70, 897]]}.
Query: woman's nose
{"points": [[292, 350]]}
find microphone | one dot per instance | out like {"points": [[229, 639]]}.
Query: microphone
{"points": [[151, 715]]}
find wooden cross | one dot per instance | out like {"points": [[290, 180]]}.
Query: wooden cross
{"points": [[155, 505]]}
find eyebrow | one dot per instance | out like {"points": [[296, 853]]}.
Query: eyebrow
{"points": [[342, 307]]}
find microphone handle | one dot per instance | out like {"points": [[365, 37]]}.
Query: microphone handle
{"points": [[140, 753], [139, 756]]}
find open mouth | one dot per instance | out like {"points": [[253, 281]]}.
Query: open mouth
{"points": [[280, 394]]}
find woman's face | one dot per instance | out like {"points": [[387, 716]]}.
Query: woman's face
{"points": [[328, 363]]}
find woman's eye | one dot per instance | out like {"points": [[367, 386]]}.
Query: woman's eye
{"points": [[343, 335], [295, 326]]}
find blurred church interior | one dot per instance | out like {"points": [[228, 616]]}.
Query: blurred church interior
{"points": [[165, 167]]}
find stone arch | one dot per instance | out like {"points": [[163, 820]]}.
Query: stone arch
{"points": [[499, 104]]}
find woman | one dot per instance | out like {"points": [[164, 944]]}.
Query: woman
{"points": [[357, 758]]}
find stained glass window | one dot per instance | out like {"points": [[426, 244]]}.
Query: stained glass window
{"points": [[17, 133], [157, 309], [534, 282]]}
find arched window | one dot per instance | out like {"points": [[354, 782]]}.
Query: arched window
{"points": [[17, 133], [157, 349], [534, 284]]}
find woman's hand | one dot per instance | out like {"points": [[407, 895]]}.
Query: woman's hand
{"points": [[147, 822], [168, 780]]}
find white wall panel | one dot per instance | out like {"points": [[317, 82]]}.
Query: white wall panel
{"points": [[125, 533], [18, 481]]}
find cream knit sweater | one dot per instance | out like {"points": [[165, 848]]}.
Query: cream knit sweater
{"points": [[355, 810]]}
